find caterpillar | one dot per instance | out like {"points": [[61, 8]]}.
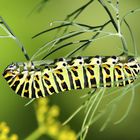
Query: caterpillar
{"points": [[39, 79]]}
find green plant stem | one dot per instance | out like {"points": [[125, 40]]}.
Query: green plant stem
{"points": [[35, 135], [7, 29], [115, 26]]}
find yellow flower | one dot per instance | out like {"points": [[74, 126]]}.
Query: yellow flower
{"points": [[71, 135], [41, 109], [3, 137], [2, 125], [53, 129], [42, 101], [4, 132], [67, 134], [48, 122], [4, 129], [14, 137], [54, 111]]}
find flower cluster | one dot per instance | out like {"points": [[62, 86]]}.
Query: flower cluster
{"points": [[48, 122], [4, 132]]}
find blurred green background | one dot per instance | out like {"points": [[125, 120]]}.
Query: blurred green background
{"points": [[17, 15]]}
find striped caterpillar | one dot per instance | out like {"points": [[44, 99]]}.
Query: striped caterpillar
{"points": [[39, 79]]}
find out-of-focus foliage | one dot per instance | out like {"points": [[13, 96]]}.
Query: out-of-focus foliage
{"points": [[48, 123]]}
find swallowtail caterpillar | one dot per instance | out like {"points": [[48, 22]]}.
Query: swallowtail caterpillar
{"points": [[39, 79]]}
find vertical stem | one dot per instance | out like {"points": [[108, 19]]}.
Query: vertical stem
{"points": [[13, 36], [35, 135], [117, 28], [108, 12], [118, 17]]}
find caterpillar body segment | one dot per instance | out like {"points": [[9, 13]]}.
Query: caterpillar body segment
{"points": [[39, 79]]}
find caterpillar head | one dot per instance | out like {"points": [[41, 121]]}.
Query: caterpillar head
{"points": [[10, 71], [11, 68], [16, 68]]}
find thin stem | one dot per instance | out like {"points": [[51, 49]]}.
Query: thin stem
{"points": [[51, 29], [88, 113], [96, 118], [115, 25], [81, 107], [73, 114], [131, 33], [129, 13], [55, 41], [108, 118], [94, 110], [12, 35], [76, 13], [34, 135], [69, 35], [29, 102], [97, 34], [65, 24], [109, 13], [129, 107], [86, 43], [70, 43], [132, 37], [38, 7], [118, 17]]}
